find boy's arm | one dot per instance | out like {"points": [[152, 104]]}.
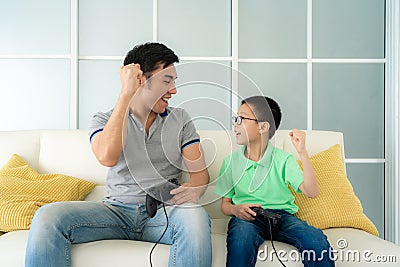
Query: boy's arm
{"points": [[309, 187], [242, 211], [310, 184]]}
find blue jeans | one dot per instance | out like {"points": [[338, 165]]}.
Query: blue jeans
{"points": [[58, 225], [245, 238]]}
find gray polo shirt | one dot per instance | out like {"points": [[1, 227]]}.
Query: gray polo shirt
{"points": [[147, 159]]}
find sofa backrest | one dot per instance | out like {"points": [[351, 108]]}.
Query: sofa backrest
{"points": [[69, 152], [54, 151]]}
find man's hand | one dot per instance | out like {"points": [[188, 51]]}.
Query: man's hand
{"points": [[299, 140], [187, 193], [131, 78], [244, 212]]}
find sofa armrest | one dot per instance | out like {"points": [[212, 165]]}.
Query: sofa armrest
{"points": [[361, 248]]}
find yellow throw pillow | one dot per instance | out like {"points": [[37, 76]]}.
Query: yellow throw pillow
{"points": [[336, 205], [23, 191]]}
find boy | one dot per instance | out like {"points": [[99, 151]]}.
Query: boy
{"points": [[258, 175]]}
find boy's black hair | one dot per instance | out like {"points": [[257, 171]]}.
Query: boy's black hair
{"points": [[266, 110], [150, 56]]}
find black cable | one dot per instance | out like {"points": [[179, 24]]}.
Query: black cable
{"points": [[272, 241], [166, 216]]}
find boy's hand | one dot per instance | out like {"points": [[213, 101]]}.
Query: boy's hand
{"points": [[299, 140], [244, 212]]}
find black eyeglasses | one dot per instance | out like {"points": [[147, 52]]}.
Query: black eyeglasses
{"points": [[238, 119]]}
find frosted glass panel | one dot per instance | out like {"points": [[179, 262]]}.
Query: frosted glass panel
{"points": [[204, 91], [99, 88], [368, 184], [273, 29], [112, 28], [195, 28], [35, 27], [348, 29], [34, 94], [286, 83], [350, 98]]}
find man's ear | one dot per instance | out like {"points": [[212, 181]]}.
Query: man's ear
{"points": [[264, 127], [143, 80]]}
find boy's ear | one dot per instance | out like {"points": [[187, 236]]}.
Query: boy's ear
{"points": [[264, 127]]}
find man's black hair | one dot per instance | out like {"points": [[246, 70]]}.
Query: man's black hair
{"points": [[266, 110], [151, 56]]}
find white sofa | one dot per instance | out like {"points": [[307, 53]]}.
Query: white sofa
{"points": [[68, 152]]}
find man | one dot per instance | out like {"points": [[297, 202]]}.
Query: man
{"points": [[144, 142]]}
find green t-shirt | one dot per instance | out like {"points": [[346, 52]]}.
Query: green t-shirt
{"points": [[264, 182]]}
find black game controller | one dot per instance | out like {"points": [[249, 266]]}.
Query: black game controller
{"points": [[159, 194], [273, 219]]}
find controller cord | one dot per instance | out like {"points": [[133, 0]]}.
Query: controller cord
{"points": [[272, 241], [166, 216]]}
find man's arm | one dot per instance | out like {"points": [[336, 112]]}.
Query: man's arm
{"points": [[196, 165], [107, 145], [199, 177]]}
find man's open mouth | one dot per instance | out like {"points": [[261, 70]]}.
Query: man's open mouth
{"points": [[165, 99]]}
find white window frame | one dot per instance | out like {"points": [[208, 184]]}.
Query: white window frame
{"points": [[392, 122]]}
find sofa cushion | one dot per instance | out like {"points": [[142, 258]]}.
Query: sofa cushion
{"points": [[336, 205], [23, 191]]}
